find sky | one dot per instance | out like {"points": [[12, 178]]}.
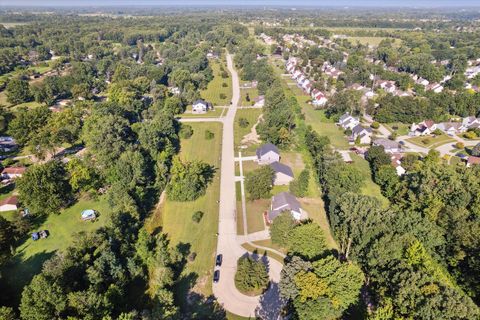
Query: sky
{"points": [[290, 3]]}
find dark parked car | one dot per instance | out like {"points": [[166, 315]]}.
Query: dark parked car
{"points": [[216, 276], [218, 261]]}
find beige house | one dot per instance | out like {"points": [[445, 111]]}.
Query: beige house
{"points": [[283, 174]]}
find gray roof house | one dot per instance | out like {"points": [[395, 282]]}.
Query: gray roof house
{"points": [[284, 201], [283, 173], [389, 145], [363, 133], [268, 153]]}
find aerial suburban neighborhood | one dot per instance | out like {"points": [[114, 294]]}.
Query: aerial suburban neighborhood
{"points": [[243, 160]]}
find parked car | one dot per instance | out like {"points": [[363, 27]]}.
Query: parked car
{"points": [[216, 276], [218, 261]]}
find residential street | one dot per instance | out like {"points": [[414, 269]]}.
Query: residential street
{"points": [[228, 243]]}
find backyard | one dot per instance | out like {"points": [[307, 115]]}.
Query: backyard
{"points": [[216, 92], [175, 218], [63, 227]]}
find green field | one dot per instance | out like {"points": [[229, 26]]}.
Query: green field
{"points": [[176, 217], [431, 141], [252, 116], [401, 129], [324, 126], [215, 88], [62, 227], [369, 188], [373, 41]]}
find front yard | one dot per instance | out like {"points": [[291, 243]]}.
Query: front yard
{"points": [[431, 141]]}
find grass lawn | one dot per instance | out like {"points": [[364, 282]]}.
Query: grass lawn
{"points": [[373, 41], [215, 88], [252, 116], [30, 255], [431, 141], [324, 126], [176, 217], [369, 188], [255, 210], [217, 112], [262, 252], [231, 316], [252, 93], [402, 129]]}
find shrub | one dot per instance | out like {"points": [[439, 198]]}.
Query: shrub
{"points": [[258, 183], [224, 74], [476, 150], [459, 145], [470, 135], [209, 135], [426, 141], [437, 132], [243, 123], [393, 136], [375, 125], [247, 97], [224, 84], [251, 276], [197, 216], [186, 131], [223, 96], [348, 132], [281, 228]]}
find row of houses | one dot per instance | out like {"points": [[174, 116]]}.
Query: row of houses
{"points": [[360, 134], [318, 97], [427, 127]]}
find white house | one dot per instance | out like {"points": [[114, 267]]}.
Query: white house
{"points": [[267, 154], [9, 204], [201, 106], [423, 128], [435, 87], [471, 121], [389, 146], [283, 174], [451, 128], [285, 202], [319, 98], [259, 101], [397, 164], [348, 122], [362, 133]]}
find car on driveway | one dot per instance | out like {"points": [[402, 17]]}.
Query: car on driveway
{"points": [[218, 260], [216, 276]]}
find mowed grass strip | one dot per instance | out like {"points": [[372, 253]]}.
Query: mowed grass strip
{"points": [[215, 87], [176, 217], [431, 141], [62, 228]]}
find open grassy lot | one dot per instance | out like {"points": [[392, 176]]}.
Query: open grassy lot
{"points": [[369, 188], [252, 116], [255, 210], [176, 217], [62, 227], [251, 92], [431, 141], [215, 87], [373, 41], [401, 129], [217, 112], [324, 126]]}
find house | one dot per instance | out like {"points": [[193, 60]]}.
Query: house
{"points": [[13, 172], [7, 144], [389, 146], [284, 201], [369, 94], [283, 173], [388, 86], [174, 90], [470, 122], [451, 128], [347, 121], [473, 161], [423, 82], [9, 204], [201, 106], [259, 101], [296, 74], [364, 135], [319, 98], [397, 163], [267, 153], [357, 86], [435, 87], [423, 128]]}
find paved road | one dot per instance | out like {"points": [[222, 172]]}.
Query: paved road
{"points": [[228, 244]]}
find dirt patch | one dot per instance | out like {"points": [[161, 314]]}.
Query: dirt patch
{"points": [[252, 137]]}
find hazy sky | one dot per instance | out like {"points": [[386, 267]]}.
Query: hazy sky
{"points": [[292, 3]]}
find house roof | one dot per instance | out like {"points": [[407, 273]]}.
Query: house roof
{"points": [[283, 201], [14, 170], [10, 200], [387, 144], [344, 117], [266, 148], [473, 160], [200, 101], [281, 168], [359, 128]]}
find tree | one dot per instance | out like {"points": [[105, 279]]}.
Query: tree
{"points": [[476, 150], [44, 188], [299, 186], [307, 241], [7, 239], [197, 216], [281, 228], [18, 91], [189, 180], [186, 131], [459, 145], [243, 122], [259, 183], [251, 276], [27, 123], [82, 175], [6, 313]]}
